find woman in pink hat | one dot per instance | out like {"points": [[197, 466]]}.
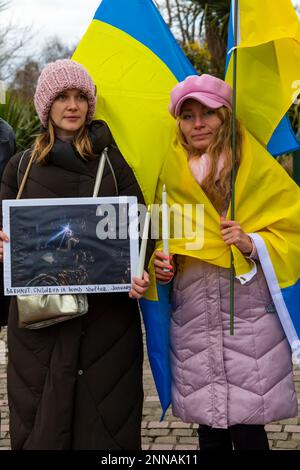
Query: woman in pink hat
{"points": [[227, 384], [76, 384]]}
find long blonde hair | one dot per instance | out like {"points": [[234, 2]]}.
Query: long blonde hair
{"points": [[219, 194], [44, 143]]}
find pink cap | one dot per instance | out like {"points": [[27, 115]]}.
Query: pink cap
{"points": [[208, 90]]}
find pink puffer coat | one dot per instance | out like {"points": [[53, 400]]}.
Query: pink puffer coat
{"points": [[218, 379]]}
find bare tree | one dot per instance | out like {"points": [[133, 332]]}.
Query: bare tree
{"points": [[26, 75], [183, 18], [202, 22], [54, 49], [3, 5], [25, 79], [214, 22], [12, 43]]}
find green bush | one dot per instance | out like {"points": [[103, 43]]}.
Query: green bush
{"points": [[22, 118]]}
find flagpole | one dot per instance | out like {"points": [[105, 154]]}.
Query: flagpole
{"points": [[232, 183]]}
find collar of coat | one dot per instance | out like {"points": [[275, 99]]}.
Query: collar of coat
{"points": [[64, 155]]}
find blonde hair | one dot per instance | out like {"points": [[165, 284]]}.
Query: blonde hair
{"points": [[219, 194], [44, 143]]}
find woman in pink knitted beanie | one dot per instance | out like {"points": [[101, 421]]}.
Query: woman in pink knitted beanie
{"points": [[65, 100], [76, 384]]}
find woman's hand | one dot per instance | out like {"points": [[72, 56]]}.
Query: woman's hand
{"points": [[139, 286], [233, 234], [3, 238], [164, 267]]}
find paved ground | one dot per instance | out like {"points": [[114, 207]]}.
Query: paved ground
{"points": [[171, 434]]}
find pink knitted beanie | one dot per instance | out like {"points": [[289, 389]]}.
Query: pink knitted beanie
{"points": [[57, 77]]}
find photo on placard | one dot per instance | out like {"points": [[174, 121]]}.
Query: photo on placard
{"points": [[67, 245]]}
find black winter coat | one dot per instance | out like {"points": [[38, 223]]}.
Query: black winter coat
{"points": [[7, 144], [78, 384]]}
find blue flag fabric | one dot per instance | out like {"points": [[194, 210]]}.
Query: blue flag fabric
{"points": [[156, 317], [283, 140], [142, 21]]}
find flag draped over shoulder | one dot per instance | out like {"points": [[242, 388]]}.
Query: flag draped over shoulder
{"points": [[267, 70], [134, 61], [267, 205]]}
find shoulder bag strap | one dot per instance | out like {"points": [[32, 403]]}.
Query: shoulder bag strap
{"points": [[113, 173], [104, 156], [24, 179]]}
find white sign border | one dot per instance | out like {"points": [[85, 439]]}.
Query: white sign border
{"points": [[72, 289]]}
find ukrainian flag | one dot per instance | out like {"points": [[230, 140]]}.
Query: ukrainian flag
{"points": [[135, 62]]}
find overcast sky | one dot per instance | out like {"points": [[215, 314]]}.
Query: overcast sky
{"points": [[68, 19]]}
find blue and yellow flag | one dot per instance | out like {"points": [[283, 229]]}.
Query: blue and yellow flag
{"points": [[267, 70], [134, 61]]}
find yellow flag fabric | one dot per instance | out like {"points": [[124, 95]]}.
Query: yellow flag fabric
{"points": [[268, 64], [267, 203], [133, 95]]}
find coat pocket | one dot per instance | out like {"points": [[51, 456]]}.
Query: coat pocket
{"points": [[259, 289]]}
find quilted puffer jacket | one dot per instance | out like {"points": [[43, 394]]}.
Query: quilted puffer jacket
{"points": [[219, 379], [76, 384]]}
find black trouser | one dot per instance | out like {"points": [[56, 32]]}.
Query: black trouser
{"points": [[240, 436]]}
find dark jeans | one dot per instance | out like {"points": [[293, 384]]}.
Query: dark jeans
{"points": [[240, 436]]}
